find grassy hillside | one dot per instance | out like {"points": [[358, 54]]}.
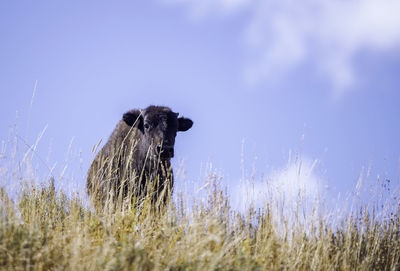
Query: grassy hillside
{"points": [[43, 229]]}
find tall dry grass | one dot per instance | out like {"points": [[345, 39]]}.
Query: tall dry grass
{"points": [[41, 228]]}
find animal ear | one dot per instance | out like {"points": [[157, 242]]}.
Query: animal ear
{"points": [[184, 124], [133, 117]]}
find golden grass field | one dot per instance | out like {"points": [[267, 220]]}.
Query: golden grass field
{"points": [[41, 228]]}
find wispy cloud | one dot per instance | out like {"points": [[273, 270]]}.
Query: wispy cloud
{"points": [[284, 34], [295, 184]]}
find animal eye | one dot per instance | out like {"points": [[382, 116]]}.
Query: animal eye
{"points": [[146, 126]]}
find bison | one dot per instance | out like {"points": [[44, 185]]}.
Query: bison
{"points": [[134, 164]]}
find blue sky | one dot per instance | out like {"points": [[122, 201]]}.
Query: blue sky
{"points": [[275, 78]]}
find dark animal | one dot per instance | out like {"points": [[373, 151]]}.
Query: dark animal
{"points": [[134, 165]]}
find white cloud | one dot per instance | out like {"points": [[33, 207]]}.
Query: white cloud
{"points": [[295, 185], [282, 34]]}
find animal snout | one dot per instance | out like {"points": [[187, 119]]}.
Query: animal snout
{"points": [[165, 151]]}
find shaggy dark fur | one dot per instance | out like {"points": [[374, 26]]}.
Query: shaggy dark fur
{"points": [[135, 161]]}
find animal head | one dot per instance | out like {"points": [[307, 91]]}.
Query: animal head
{"points": [[159, 126]]}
